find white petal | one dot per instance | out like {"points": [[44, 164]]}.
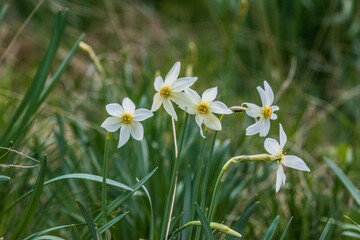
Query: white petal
{"points": [[182, 83], [273, 116], [172, 74], [199, 120], [158, 83], [112, 124], [280, 177], [269, 92], [264, 97], [124, 135], [254, 129], [141, 114], [190, 109], [253, 110], [274, 108], [283, 137], [169, 108], [193, 96], [265, 127], [295, 162], [211, 121], [209, 95], [114, 109], [273, 147], [158, 100], [181, 99], [219, 107], [128, 105], [137, 130]]}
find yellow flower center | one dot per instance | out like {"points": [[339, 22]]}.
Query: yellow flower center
{"points": [[282, 157], [126, 118], [165, 92], [203, 108], [267, 112]]}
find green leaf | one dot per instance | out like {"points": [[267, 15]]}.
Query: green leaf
{"points": [[112, 222], [187, 203], [151, 237], [90, 223], [204, 223], [3, 12], [271, 230], [30, 209], [4, 178], [47, 230], [345, 180], [123, 197], [241, 223], [286, 229], [326, 230], [48, 237], [75, 233]]}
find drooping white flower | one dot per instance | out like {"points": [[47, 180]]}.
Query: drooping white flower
{"points": [[171, 90], [274, 148], [127, 119], [265, 113], [204, 108]]}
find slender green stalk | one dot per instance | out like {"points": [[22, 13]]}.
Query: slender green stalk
{"points": [[105, 163], [169, 201], [220, 179]]}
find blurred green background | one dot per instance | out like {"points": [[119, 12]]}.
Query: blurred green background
{"points": [[309, 52]]}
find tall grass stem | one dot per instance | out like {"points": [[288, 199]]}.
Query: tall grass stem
{"points": [[105, 166]]}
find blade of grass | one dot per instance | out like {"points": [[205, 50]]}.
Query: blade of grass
{"points": [[109, 224], [75, 233], [90, 223], [326, 230], [30, 209], [151, 237], [3, 12], [271, 230], [286, 229], [204, 223], [345, 180], [187, 203], [241, 223], [49, 230], [4, 178]]}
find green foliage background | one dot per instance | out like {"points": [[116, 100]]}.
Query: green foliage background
{"points": [[309, 52]]}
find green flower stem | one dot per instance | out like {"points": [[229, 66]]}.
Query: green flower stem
{"points": [[172, 183], [220, 179], [105, 163]]}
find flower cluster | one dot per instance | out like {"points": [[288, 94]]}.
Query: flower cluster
{"points": [[174, 90]]}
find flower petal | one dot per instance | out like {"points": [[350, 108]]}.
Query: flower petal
{"points": [[158, 100], [128, 105], [254, 129], [158, 83], [274, 108], [169, 108], [182, 83], [283, 137], [199, 120], [181, 99], [265, 127], [253, 110], [141, 114], [189, 109], [273, 147], [115, 109], [124, 135], [209, 95], [280, 177], [172, 74], [112, 124], [264, 97], [269, 92], [273, 116], [219, 107], [295, 162], [211, 121], [137, 130], [193, 96]]}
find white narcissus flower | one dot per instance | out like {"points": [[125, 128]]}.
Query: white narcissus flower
{"points": [[127, 119], [171, 90], [274, 148], [265, 113], [203, 107]]}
